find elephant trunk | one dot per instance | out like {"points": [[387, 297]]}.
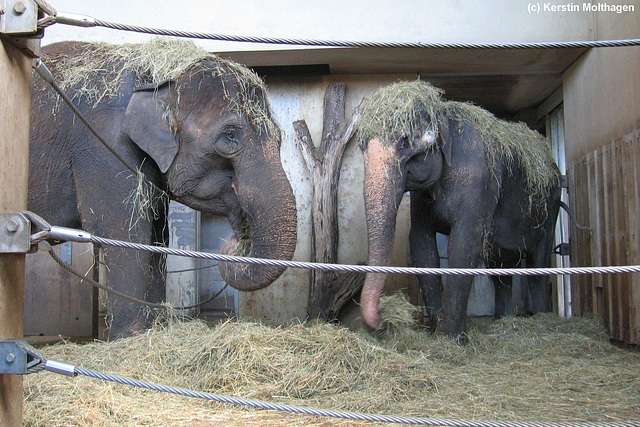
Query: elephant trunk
{"points": [[382, 195], [268, 201]]}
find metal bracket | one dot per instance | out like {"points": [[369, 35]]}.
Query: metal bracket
{"points": [[18, 17], [564, 181], [13, 357], [563, 249], [15, 234]]}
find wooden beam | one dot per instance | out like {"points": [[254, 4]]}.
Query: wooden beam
{"points": [[15, 83]]}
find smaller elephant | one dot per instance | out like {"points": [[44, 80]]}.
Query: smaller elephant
{"points": [[491, 186]]}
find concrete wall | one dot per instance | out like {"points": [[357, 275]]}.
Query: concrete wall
{"points": [[602, 89], [373, 20]]}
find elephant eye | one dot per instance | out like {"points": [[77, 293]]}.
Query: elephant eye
{"points": [[229, 141], [404, 141], [232, 135]]}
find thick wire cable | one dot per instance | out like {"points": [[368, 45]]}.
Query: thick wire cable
{"points": [[35, 359], [370, 268], [68, 234], [46, 7], [337, 414], [87, 21], [110, 290]]}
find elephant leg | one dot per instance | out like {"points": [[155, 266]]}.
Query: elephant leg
{"points": [[160, 235], [424, 253], [138, 274], [107, 210], [126, 273], [465, 247], [538, 286], [503, 301]]}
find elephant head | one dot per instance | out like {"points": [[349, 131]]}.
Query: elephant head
{"points": [[212, 136], [395, 153]]}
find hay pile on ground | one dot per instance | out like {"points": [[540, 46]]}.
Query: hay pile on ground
{"points": [[525, 369]]}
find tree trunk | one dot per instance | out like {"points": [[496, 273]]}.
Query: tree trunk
{"points": [[328, 290]]}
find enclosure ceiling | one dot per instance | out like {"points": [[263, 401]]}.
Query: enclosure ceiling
{"points": [[504, 81]]}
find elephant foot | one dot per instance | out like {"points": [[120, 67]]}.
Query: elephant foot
{"points": [[430, 322], [454, 330], [119, 331], [127, 319]]}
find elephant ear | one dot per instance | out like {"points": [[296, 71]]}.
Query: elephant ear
{"points": [[444, 140], [145, 122]]}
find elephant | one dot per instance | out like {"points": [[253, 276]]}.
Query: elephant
{"points": [[198, 131], [493, 187]]}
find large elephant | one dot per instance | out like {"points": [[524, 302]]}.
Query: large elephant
{"points": [[491, 186], [197, 127]]}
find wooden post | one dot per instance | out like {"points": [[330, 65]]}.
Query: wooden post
{"points": [[328, 290], [15, 83]]}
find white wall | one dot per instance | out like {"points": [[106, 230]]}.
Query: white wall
{"points": [[602, 89], [371, 20]]}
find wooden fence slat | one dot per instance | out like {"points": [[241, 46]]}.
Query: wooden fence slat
{"points": [[595, 245], [605, 188], [623, 231], [632, 145], [572, 171]]}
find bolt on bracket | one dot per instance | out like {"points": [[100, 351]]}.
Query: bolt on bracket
{"points": [[18, 17], [15, 234], [13, 357]]}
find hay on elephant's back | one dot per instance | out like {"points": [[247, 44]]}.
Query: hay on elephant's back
{"points": [[512, 144], [411, 108], [97, 72], [543, 368], [400, 109]]}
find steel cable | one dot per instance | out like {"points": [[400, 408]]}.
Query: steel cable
{"points": [[108, 289], [87, 21], [368, 268], [337, 414], [68, 234], [46, 7]]}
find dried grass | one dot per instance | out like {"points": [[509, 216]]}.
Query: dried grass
{"points": [[512, 144], [543, 368], [144, 200], [400, 109], [411, 108], [97, 73]]}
